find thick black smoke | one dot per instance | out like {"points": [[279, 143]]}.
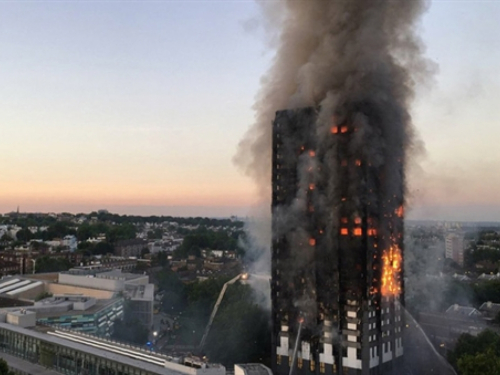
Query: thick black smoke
{"points": [[359, 60]]}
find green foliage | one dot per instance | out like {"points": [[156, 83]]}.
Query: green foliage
{"points": [[130, 331], [161, 259], [144, 252], [4, 368], [121, 232], [58, 229], [102, 248], [155, 234], [49, 264], [43, 295], [24, 235], [6, 238], [480, 364], [113, 233], [241, 331], [480, 353], [487, 291], [174, 293], [207, 239], [491, 255]]}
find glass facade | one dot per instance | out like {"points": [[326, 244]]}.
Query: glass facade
{"points": [[63, 359], [99, 323]]}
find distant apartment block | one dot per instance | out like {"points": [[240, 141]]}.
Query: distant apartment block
{"points": [[454, 245], [130, 248]]}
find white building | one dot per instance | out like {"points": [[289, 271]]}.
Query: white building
{"points": [[454, 245]]}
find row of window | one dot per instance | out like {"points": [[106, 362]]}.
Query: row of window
{"points": [[63, 359]]}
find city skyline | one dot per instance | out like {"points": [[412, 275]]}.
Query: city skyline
{"points": [[138, 108]]}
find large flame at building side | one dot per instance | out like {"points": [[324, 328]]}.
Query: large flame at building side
{"points": [[333, 133]]}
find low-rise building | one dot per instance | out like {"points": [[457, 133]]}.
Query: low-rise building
{"points": [[130, 248], [80, 313], [74, 353]]}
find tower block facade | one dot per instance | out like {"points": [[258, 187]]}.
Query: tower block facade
{"points": [[337, 249]]}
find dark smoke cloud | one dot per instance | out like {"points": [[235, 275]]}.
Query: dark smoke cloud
{"points": [[333, 52], [359, 60]]}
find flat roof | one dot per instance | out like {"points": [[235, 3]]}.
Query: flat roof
{"points": [[98, 306], [94, 351]]}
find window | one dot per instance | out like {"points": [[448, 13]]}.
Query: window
{"points": [[322, 367], [278, 359], [312, 365], [299, 362]]}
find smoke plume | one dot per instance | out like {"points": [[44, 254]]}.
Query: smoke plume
{"points": [[333, 52], [358, 62]]}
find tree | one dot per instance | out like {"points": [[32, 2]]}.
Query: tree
{"points": [[6, 238], [471, 350], [103, 248], [487, 363], [24, 235], [48, 264], [144, 252], [174, 294], [4, 368], [130, 331], [240, 323]]}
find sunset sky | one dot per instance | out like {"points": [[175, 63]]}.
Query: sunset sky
{"points": [[138, 107]]}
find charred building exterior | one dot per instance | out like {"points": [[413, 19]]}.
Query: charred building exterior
{"points": [[337, 251]]}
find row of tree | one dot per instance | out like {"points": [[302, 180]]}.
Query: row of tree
{"points": [[240, 332], [477, 355], [203, 238]]}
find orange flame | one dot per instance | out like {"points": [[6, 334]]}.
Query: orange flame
{"points": [[335, 129], [312, 242], [391, 271], [400, 211]]}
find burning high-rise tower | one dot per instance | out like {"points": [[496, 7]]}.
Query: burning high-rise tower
{"points": [[337, 246], [343, 78]]}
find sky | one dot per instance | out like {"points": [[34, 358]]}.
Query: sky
{"points": [[138, 107]]}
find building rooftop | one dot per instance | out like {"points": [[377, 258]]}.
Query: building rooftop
{"points": [[462, 310], [98, 306], [141, 292], [135, 357], [118, 274], [253, 369], [490, 308], [12, 286]]}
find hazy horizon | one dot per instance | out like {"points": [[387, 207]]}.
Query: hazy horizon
{"points": [[140, 107]]}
